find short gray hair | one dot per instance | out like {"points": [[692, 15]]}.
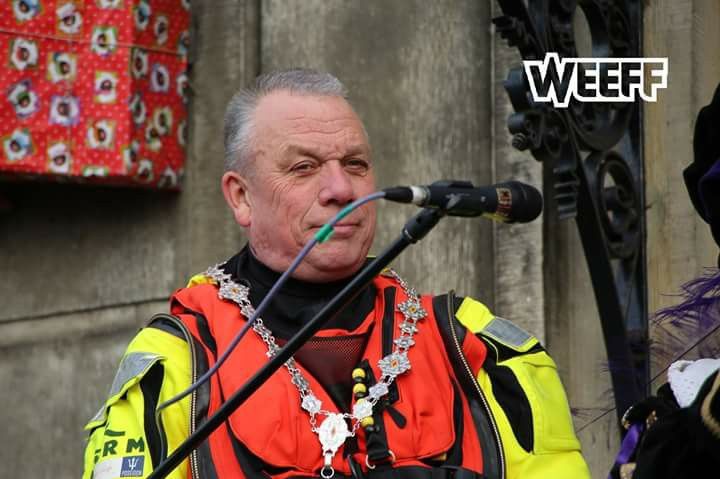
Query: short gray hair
{"points": [[240, 110]]}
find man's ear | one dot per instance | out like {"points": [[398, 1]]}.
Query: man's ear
{"points": [[234, 188]]}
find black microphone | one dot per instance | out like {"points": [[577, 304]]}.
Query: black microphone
{"points": [[508, 202]]}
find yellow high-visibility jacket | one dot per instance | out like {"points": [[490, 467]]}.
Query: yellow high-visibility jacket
{"points": [[518, 381]]}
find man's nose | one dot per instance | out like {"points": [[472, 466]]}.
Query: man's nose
{"points": [[336, 185]]}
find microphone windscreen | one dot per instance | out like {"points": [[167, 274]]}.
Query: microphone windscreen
{"points": [[527, 202]]}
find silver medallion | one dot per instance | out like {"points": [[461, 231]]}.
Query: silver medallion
{"points": [[332, 433]]}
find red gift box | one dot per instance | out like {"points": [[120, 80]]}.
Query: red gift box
{"points": [[94, 90]]}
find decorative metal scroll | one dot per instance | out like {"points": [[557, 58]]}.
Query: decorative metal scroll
{"points": [[592, 154]]}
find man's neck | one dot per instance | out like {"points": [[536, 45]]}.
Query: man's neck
{"points": [[297, 301]]}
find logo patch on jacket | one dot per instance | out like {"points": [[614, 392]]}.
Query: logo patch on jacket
{"points": [[132, 466], [128, 466]]}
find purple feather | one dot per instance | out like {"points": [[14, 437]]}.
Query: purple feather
{"points": [[701, 298], [686, 330]]}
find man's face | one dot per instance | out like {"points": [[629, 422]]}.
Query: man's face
{"points": [[311, 159]]}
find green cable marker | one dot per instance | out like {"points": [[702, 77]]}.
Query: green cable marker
{"points": [[326, 231]]}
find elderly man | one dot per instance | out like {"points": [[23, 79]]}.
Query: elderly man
{"points": [[398, 384]]}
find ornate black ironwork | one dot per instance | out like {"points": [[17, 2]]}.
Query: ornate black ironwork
{"points": [[594, 154]]}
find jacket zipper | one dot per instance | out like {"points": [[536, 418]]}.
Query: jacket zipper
{"points": [[483, 399], [194, 470]]}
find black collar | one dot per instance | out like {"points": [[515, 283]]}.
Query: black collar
{"points": [[298, 301]]}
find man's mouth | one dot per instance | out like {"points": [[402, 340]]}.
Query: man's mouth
{"points": [[346, 225], [343, 229]]}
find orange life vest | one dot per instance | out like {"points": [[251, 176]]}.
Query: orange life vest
{"points": [[273, 428]]}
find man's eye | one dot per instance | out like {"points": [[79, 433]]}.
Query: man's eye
{"points": [[304, 167], [357, 165]]}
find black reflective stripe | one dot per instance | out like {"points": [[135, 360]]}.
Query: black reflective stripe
{"points": [[503, 352], [512, 399], [150, 386]]}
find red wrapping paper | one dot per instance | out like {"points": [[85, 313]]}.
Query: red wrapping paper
{"points": [[94, 90]]}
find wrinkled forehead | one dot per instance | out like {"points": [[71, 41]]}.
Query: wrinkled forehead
{"points": [[323, 121]]}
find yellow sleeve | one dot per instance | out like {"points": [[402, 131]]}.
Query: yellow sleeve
{"points": [[155, 367], [555, 451]]}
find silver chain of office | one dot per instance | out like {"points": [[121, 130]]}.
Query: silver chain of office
{"points": [[333, 431]]}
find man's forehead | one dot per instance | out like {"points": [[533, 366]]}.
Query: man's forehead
{"points": [[315, 147], [284, 107], [309, 120]]}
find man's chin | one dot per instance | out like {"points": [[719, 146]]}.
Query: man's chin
{"points": [[332, 261]]}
